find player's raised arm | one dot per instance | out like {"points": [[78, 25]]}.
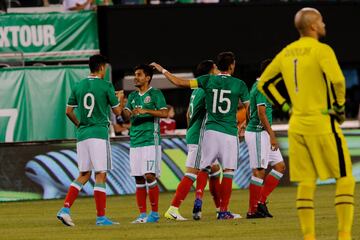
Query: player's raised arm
{"points": [[180, 82]]}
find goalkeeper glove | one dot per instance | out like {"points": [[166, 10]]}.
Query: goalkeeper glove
{"points": [[285, 107], [338, 112]]}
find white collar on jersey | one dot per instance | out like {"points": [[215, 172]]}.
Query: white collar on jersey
{"points": [[224, 74], [142, 94], [92, 76]]}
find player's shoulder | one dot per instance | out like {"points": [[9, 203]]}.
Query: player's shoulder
{"points": [[153, 90]]}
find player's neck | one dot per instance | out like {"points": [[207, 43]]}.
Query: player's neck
{"points": [[144, 89], [310, 35]]}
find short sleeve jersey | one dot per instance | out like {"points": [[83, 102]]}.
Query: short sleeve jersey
{"points": [[258, 99], [197, 112], [314, 81], [222, 96], [93, 96], [145, 129]]}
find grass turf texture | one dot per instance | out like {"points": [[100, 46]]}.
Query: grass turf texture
{"points": [[37, 219]]}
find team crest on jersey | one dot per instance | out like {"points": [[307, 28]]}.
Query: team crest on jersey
{"points": [[147, 99]]}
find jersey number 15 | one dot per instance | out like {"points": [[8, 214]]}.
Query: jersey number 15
{"points": [[220, 98]]}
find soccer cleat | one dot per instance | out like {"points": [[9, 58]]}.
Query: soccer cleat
{"points": [[227, 216], [64, 216], [173, 214], [104, 221], [197, 209], [255, 215], [262, 208], [236, 215], [141, 218], [153, 217]]}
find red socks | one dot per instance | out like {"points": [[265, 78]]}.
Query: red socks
{"points": [[201, 182], [214, 186], [271, 181], [100, 198], [154, 196], [254, 193], [72, 194], [225, 190], [141, 197], [183, 189]]}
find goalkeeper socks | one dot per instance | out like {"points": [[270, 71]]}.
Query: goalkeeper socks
{"points": [[73, 192], [344, 205], [183, 189], [141, 197], [271, 182], [201, 181], [214, 186], [305, 208], [226, 189], [100, 198], [256, 184], [154, 195]]}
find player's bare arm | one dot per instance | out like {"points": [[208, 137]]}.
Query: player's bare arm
{"points": [[162, 113], [118, 110], [267, 126], [180, 82], [71, 115]]}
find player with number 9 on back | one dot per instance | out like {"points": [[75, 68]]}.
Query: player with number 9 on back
{"points": [[93, 98], [222, 95]]}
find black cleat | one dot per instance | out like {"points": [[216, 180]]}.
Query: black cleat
{"points": [[255, 215], [262, 208]]}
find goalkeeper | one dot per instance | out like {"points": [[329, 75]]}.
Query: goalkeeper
{"points": [[317, 148]]}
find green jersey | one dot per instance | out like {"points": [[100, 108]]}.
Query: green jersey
{"points": [[222, 95], [197, 112], [93, 96], [258, 99], [145, 129]]}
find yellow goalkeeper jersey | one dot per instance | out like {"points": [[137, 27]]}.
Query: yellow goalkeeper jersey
{"points": [[314, 81]]}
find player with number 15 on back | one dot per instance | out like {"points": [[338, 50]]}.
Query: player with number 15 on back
{"points": [[222, 95], [93, 98]]}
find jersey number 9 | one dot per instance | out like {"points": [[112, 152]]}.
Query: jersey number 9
{"points": [[89, 103]]}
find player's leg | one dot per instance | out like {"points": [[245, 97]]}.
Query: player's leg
{"points": [[302, 170], [151, 171], [201, 182], [136, 171], [100, 155], [214, 184], [85, 167]]}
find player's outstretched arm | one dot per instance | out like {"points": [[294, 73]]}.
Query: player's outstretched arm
{"points": [[172, 78], [162, 113], [71, 115]]}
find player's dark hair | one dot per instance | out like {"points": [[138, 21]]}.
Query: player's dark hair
{"points": [[95, 62], [264, 64], [204, 68], [224, 60], [148, 70]]}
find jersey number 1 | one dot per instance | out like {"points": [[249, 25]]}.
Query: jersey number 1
{"points": [[221, 99], [89, 97], [295, 75]]}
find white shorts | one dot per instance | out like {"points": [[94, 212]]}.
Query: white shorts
{"points": [[260, 152], [145, 160], [94, 154], [193, 159], [219, 146]]}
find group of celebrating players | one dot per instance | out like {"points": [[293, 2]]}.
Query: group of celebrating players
{"points": [[317, 148]]}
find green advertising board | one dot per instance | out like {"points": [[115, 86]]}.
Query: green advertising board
{"points": [[33, 102], [49, 36]]}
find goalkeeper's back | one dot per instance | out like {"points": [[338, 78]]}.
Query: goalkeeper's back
{"points": [[314, 82]]}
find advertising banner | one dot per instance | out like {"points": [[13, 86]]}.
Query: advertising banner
{"points": [[51, 36]]}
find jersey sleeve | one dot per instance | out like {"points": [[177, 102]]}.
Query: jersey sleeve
{"points": [[112, 99], [72, 101], [260, 99], [268, 80], [201, 81], [333, 73], [128, 104], [244, 94], [160, 102]]}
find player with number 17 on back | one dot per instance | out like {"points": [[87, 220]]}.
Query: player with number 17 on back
{"points": [[93, 98]]}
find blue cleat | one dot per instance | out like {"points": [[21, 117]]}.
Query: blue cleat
{"points": [[141, 218], [197, 209], [64, 216], [227, 216], [104, 221], [153, 217]]}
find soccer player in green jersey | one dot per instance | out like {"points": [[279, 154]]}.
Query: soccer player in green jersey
{"points": [[317, 147], [93, 98], [145, 107], [263, 150], [220, 142]]}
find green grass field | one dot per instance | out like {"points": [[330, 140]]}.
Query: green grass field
{"points": [[36, 219]]}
